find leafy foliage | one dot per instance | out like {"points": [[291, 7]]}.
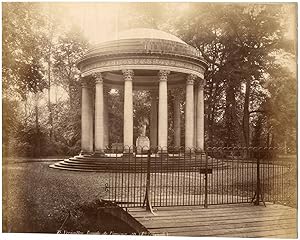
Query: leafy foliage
{"points": [[241, 43]]}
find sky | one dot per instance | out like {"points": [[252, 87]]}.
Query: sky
{"points": [[100, 21]]}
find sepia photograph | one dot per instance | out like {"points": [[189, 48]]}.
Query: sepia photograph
{"points": [[150, 119]]}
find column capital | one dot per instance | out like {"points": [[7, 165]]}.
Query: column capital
{"points": [[190, 79], [84, 82], [128, 74], [98, 77], [201, 83], [163, 75]]}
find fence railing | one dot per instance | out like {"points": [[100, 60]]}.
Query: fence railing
{"points": [[178, 177]]}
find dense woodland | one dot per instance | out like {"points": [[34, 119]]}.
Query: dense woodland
{"points": [[250, 94]]}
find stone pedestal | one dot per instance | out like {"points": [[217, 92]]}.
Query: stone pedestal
{"points": [[142, 145]]}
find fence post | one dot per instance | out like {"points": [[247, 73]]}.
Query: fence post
{"points": [[258, 193], [257, 181], [147, 199], [205, 182]]}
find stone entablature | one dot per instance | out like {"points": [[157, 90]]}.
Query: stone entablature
{"points": [[144, 62]]}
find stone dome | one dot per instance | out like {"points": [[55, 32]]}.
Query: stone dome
{"points": [[141, 33]]}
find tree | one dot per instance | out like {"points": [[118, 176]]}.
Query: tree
{"points": [[22, 69], [68, 51], [239, 42]]}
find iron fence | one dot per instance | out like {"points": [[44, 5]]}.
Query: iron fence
{"points": [[183, 177]]}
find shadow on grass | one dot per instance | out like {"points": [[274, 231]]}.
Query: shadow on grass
{"points": [[95, 217]]}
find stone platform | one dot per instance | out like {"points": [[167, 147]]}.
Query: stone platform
{"points": [[135, 163]]}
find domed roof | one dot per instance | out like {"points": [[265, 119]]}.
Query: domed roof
{"points": [[145, 51], [147, 33]]}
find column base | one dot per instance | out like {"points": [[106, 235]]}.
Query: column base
{"points": [[98, 154], [199, 152], [85, 153], [162, 153], [189, 153], [128, 154]]}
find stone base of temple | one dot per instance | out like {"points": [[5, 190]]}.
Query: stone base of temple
{"points": [[126, 163], [82, 153], [98, 155], [163, 154], [128, 154]]}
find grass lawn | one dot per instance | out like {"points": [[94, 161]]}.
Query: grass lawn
{"points": [[35, 196]]}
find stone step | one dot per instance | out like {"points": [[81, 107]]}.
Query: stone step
{"points": [[128, 168], [136, 164], [138, 159], [138, 167], [152, 162]]}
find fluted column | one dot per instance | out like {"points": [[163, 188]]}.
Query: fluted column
{"points": [[153, 119], [86, 119], [106, 121], [177, 120], [163, 109], [128, 108], [200, 115], [99, 114], [195, 113], [189, 112]]}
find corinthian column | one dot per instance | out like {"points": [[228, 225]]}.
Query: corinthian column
{"points": [[177, 120], [106, 120], [153, 119], [200, 115], [128, 109], [195, 113], [99, 115], [86, 119], [163, 109], [189, 112]]}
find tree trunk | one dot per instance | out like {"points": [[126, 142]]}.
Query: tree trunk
{"points": [[37, 150], [230, 116], [210, 120], [246, 121], [210, 117], [49, 102], [70, 94]]}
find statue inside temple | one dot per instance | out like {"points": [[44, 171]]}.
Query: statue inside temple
{"points": [[143, 142], [143, 127]]}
